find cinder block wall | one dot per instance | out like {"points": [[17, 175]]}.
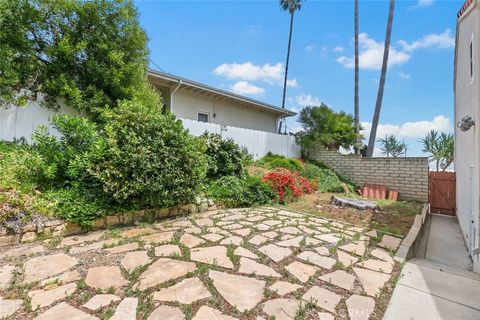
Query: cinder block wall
{"points": [[408, 176]]}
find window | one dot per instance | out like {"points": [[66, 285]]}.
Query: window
{"points": [[471, 59], [203, 117]]}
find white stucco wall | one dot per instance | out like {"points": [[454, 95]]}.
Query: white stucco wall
{"points": [[186, 105], [17, 122], [467, 144]]}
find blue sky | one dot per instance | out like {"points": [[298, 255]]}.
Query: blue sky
{"points": [[241, 46]]}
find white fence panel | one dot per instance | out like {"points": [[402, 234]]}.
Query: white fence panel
{"points": [[258, 143]]}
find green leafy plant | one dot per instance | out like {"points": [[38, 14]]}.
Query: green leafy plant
{"points": [[225, 157], [391, 146], [232, 191], [322, 125], [273, 161], [325, 179], [441, 148]]}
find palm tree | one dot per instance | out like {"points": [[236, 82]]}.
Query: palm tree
{"points": [[440, 147], [391, 146], [381, 87], [291, 6], [356, 98]]}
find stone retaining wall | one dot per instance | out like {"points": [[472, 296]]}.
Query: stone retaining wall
{"points": [[58, 227], [407, 175]]}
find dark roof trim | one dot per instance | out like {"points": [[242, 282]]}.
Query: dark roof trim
{"points": [[190, 83]]}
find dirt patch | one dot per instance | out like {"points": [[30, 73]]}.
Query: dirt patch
{"points": [[395, 217]]}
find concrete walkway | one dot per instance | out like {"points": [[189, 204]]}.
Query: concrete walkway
{"points": [[438, 282]]}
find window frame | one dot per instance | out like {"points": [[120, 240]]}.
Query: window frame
{"points": [[204, 114]]}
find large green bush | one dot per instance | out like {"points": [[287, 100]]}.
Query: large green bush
{"points": [[273, 161], [231, 191], [326, 179], [224, 156]]}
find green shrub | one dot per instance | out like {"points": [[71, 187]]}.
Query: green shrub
{"points": [[151, 159], [327, 179], [224, 156], [273, 161], [232, 191]]}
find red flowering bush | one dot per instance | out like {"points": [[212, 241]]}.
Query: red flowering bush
{"points": [[287, 185]]}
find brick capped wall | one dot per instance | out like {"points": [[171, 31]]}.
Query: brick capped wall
{"points": [[408, 176]]}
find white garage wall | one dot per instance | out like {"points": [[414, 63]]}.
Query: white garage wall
{"points": [[258, 143]]}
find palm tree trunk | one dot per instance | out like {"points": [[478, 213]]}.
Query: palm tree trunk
{"points": [[286, 64], [381, 87], [356, 98]]}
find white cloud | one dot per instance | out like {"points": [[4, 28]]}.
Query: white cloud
{"points": [[443, 40], [338, 49], [244, 87], [305, 100], [422, 4], [417, 129], [310, 48], [404, 76], [254, 29], [247, 71], [371, 55], [371, 51]]}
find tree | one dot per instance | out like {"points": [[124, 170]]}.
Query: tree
{"points": [[357, 73], [441, 148], [381, 86], [91, 53], [391, 146], [322, 125], [291, 6]]}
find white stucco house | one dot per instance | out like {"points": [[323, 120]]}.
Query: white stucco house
{"points": [[251, 123], [467, 131]]}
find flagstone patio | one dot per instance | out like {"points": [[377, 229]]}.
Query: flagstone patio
{"points": [[258, 263]]}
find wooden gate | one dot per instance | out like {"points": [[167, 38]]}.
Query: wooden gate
{"points": [[442, 192]]}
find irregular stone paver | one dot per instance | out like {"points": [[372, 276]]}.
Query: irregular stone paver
{"points": [[372, 233], [100, 301], [67, 312], [321, 261], [167, 250], [242, 252], [275, 253], [133, 260], [283, 287], [301, 271], [204, 222], [123, 248], [6, 275], [357, 249], [360, 307], [9, 307], [63, 278], [162, 270], [166, 313], [126, 310], [309, 241], [290, 230], [233, 226], [270, 234], [330, 238], [190, 241], [372, 281], [272, 223], [207, 313], [232, 240], [44, 267], [389, 242], [345, 259], [22, 251], [243, 232], [292, 242], [340, 278], [281, 309], [242, 292], [212, 255], [323, 251], [258, 240], [377, 265], [213, 237], [382, 255], [187, 291], [163, 237], [79, 239], [248, 266], [93, 246], [325, 316], [262, 227], [194, 230], [131, 233], [43, 298], [105, 278], [324, 298]]}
